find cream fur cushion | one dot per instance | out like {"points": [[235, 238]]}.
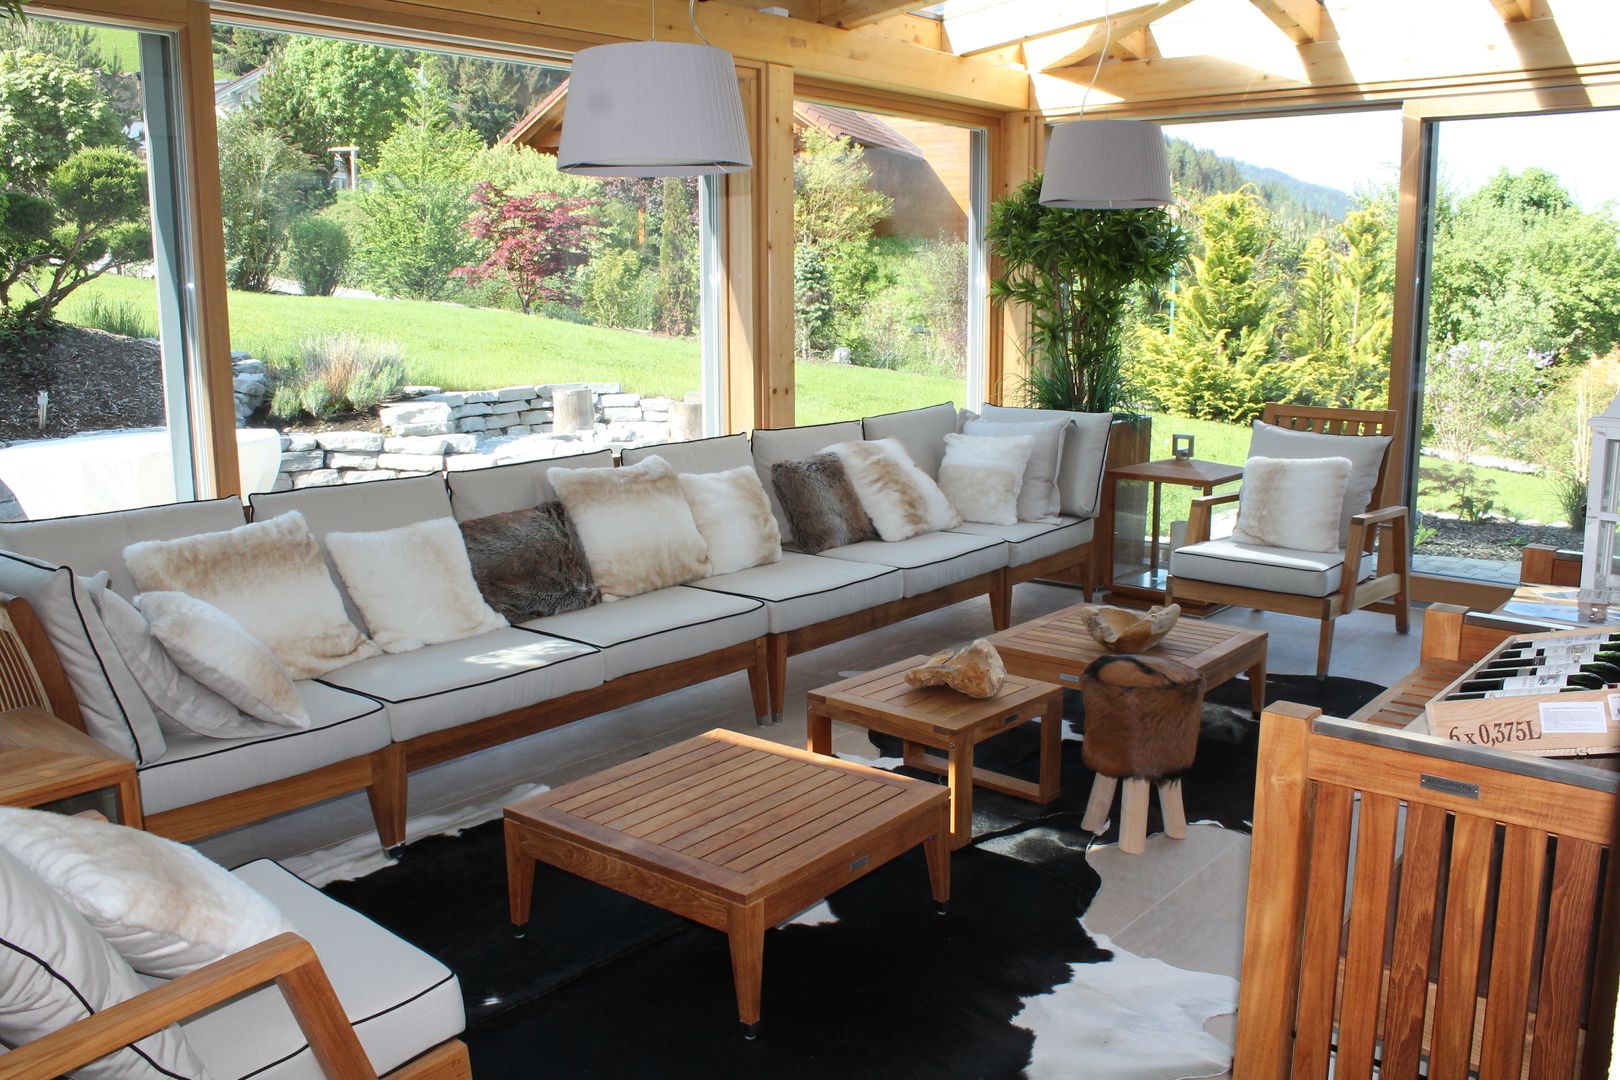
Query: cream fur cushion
{"points": [[635, 526], [1038, 498], [413, 585], [270, 577], [900, 498], [1292, 502], [982, 476], [732, 512], [163, 907], [219, 653]]}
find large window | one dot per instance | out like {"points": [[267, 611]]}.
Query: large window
{"points": [[888, 263], [96, 341], [1523, 335]]}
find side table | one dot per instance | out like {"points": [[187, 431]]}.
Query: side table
{"points": [[1206, 476], [43, 759]]}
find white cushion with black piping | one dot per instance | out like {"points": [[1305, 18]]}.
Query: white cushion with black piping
{"points": [[718, 454], [500, 489], [401, 1001], [803, 590], [657, 628], [930, 561], [770, 446], [457, 682], [1031, 541], [920, 431], [1249, 566], [1085, 450], [196, 767]]}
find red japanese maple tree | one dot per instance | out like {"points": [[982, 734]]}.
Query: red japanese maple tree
{"points": [[534, 239]]}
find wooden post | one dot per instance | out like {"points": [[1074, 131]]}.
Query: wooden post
{"points": [[573, 409]]}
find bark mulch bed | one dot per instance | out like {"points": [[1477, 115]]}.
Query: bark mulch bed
{"points": [[97, 381], [1501, 540]]}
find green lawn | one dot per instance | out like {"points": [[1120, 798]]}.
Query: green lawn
{"points": [[463, 348], [120, 49]]}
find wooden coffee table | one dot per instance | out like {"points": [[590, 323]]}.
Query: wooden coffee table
{"points": [[731, 831], [940, 718], [1057, 648]]}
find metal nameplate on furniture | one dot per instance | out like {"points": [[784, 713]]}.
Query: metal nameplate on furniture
{"points": [[1460, 788]]}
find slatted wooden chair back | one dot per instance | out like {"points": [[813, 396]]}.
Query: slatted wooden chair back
{"points": [[31, 675], [1419, 904], [1343, 422]]}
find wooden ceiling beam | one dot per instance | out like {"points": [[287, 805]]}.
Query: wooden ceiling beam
{"points": [[1138, 46], [1513, 10], [999, 26], [1073, 47], [849, 14], [1301, 20]]}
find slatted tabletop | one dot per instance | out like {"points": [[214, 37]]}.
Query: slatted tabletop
{"points": [[937, 710], [1403, 705], [725, 812]]}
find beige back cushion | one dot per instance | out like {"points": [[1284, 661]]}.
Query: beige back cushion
{"points": [[500, 489], [771, 445], [1085, 452], [920, 431], [699, 456]]}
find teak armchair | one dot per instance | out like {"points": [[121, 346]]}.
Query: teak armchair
{"points": [[287, 960], [1381, 532]]}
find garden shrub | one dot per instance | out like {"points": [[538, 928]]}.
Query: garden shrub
{"points": [[1472, 496], [335, 374], [617, 291], [317, 254]]}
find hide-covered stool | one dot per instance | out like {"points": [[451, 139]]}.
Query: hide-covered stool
{"points": [[1142, 717]]}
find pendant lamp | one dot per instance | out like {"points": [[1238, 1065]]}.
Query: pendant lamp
{"points": [[654, 108]]}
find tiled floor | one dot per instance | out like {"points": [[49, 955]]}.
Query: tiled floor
{"points": [[1181, 902]]}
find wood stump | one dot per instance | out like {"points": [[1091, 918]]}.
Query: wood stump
{"points": [[685, 421], [573, 409]]}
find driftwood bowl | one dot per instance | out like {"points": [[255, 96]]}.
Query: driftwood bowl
{"points": [[1124, 631]]}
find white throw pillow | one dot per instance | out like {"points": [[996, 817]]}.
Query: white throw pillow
{"points": [[1038, 499], [635, 526], [900, 498], [1365, 453], [413, 585], [181, 701], [982, 476], [1292, 503], [1085, 452], [55, 969], [162, 906], [270, 577], [734, 515], [218, 652]]}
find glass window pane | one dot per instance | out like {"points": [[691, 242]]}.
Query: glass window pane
{"points": [[885, 245], [1523, 324], [94, 351]]}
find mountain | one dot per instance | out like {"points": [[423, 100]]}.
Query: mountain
{"points": [[1290, 199]]}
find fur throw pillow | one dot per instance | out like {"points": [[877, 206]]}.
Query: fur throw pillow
{"points": [[734, 516], [413, 584], [529, 564], [270, 577], [1292, 502], [982, 476], [1038, 499], [900, 498], [215, 649], [635, 526], [820, 503]]}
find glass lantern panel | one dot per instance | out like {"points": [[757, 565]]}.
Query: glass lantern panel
{"points": [[1611, 478], [1607, 561]]}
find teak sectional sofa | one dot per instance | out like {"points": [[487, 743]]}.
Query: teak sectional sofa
{"points": [[376, 720]]}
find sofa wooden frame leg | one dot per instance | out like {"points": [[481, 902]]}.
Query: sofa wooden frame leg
{"points": [[1001, 601], [759, 681], [388, 794], [776, 646]]}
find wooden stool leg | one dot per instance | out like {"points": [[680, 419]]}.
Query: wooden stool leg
{"points": [[1133, 816], [1170, 808], [1097, 807], [745, 930]]}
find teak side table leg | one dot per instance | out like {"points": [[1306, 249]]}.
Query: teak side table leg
{"points": [[745, 930], [128, 796], [519, 879], [1051, 749], [818, 731], [937, 848], [960, 769], [1257, 686]]}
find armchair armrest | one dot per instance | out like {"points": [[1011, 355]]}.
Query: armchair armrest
{"points": [[1379, 517], [287, 960], [1198, 514], [1362, 529]]}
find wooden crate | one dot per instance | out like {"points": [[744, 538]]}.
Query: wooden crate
{"points": [[1515, 723]]}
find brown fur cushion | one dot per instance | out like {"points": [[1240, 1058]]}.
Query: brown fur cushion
{"points": [[820, 503], [528, 563], [1142, 716]]}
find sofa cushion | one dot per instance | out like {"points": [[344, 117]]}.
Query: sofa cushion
{"points": [[401, 1001], [803, 590], [1249, 566], [921, 431], [1038, 498], [499, 489], [635, 525], [220, 654], [901, 499], [1365, 453], [1292, 502], [441, 686], [1030, 541], [1085, 449], [115, 710], [818, 500], [698, 456], [658, 628], [983, 476], [930, 561], [771, 445], [197, 767], [529, 563], [95, 542], [731, 511]]}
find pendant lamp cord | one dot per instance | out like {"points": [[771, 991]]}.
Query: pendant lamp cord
{"points": [[691, 13], [1108, 40]]}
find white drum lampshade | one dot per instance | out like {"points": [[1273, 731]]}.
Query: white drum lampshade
{"points": [[1106, 165], [653, 108]]}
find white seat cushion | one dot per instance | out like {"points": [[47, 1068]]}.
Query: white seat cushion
{"points": [[1029, 541], [930, 561], [197, 767], [659, 627], [803, 590], [401, 1001], [457, 682], [1249, 566]]}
